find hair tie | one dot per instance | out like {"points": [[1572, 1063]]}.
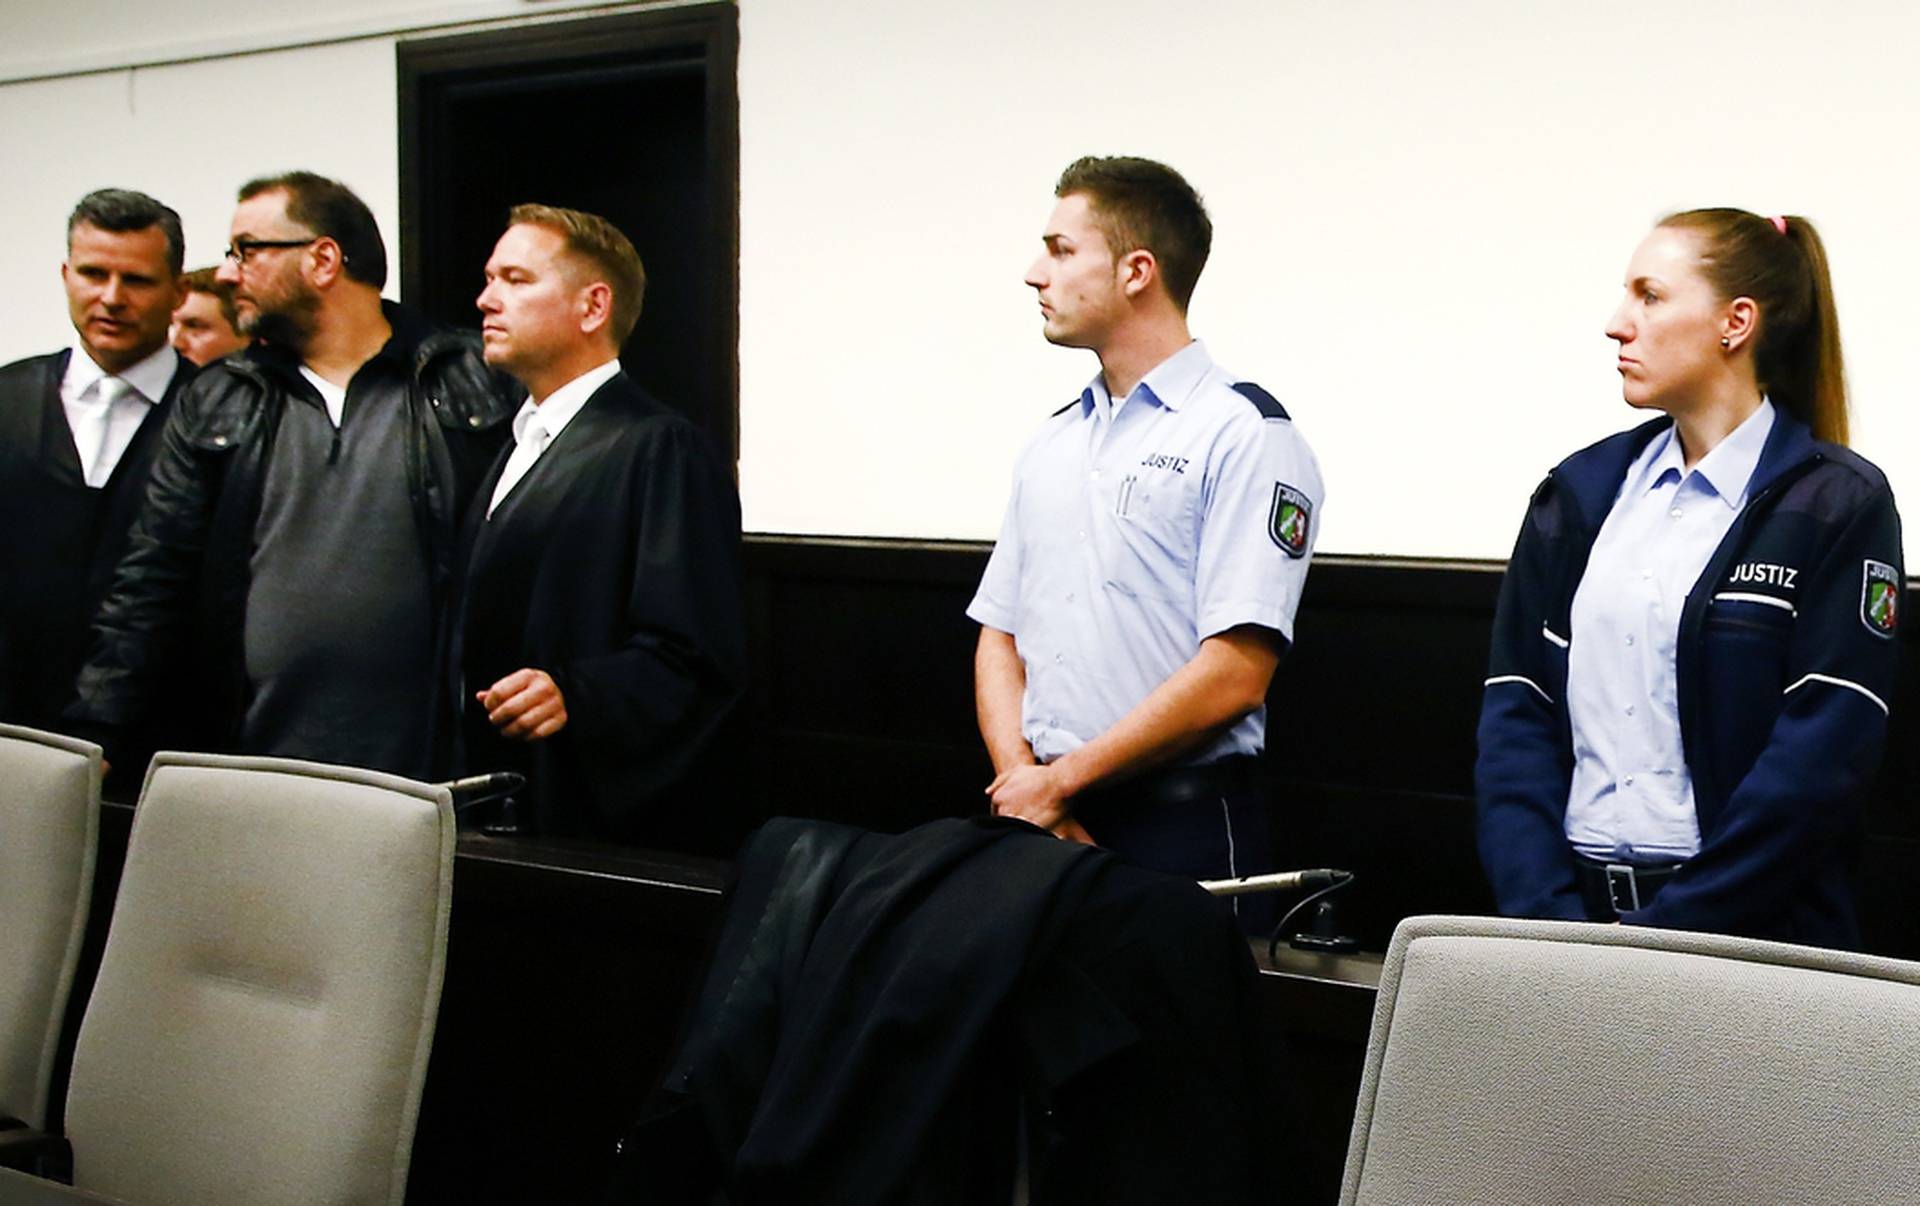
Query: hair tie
{"points": [[1779, 223]]}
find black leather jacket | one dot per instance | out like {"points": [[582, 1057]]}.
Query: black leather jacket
{"points": [[168, 634]]}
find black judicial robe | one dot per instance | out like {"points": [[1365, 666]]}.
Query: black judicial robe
{"points": [[613, 565], [59, 538]]}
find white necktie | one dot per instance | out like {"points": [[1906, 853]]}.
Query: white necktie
{"points": [[525, 452], [109, 393]]}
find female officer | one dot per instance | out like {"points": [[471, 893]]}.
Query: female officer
{"points": [[1694, 647]]}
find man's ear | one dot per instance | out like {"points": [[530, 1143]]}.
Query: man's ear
{"points": [[328, 263], [1137, 270], [596, 306]]}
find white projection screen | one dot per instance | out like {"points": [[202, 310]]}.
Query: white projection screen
{"points": [[1422, 211], [1422, 215]]}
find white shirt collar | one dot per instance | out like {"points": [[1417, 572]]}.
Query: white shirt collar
{"points": [[150, 376], [553, 415]]}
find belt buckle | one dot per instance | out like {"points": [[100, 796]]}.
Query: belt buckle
{"points": [[1623, 890]]}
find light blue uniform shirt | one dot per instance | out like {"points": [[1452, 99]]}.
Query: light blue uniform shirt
{"points": [[1136, 530], [1632, 796]]}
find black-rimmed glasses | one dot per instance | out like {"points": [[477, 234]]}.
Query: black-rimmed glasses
{"points": [[242, 250]]}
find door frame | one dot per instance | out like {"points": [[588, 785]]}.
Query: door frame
{"points": [[711, 30]]}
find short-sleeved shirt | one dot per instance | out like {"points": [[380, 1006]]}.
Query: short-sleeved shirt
{"points": [[1136, 530]]}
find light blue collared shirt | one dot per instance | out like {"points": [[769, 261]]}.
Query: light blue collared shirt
{"points": [[1139, 528], [1632, 796]]}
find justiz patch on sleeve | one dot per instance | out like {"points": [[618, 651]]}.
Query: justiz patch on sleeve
{"points": [[1880, 598], [1289, 522]]}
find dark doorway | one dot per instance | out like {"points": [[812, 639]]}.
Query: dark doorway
{"points": [[634, 117]]}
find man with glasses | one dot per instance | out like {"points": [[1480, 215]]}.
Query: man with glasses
{"points": [[77, 431], [286, 576]]}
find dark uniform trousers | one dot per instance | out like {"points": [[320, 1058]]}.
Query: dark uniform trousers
{"points": [[1203, 822]]}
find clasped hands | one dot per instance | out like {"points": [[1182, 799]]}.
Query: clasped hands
{"points": [[1037, 794]]}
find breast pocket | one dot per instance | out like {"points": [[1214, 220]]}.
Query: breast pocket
{"points": [[1746, 642], [1151, 537], [1759, 620], [1745, 658]]}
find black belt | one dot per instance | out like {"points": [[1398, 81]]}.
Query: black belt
{"points": [[1611, 889], [1176, 784]]}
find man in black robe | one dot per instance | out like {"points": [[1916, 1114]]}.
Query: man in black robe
{"points": [[600, 647], [78, 430]]}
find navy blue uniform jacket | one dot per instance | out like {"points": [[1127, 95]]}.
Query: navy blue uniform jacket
{"points": [[1785, 665]]}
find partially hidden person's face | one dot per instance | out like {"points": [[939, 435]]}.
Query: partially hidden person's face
{"points": [[200, 331], [272, 297], [1668, 325], [1076, 278], [533, 303], [121, 292]]}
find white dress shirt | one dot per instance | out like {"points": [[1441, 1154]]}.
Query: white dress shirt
{"points": [[539, 424], [105, 410], [1632, 796]]}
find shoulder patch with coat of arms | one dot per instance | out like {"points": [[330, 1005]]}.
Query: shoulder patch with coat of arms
{"points": [[1290, 521], [1880, 598]]}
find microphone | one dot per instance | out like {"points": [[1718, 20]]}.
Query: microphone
{"points": [[484, 787], [1279, 881]]}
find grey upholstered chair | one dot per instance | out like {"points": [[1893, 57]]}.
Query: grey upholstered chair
{"points": [[49, 836], [260, 1027], [1542, 1062]]}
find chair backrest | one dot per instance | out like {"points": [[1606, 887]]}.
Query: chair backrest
{"points": [[49, 838], [260, 1027], [1543, 1061]]}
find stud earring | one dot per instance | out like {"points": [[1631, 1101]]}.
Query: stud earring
{"points": [[1724, 342]]}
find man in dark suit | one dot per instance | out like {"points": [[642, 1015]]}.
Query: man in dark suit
{"points": [[600, 643], [78, 430]]}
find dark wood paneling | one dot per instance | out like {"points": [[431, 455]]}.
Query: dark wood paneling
{"points": [[569, 966], [864, 708], [863, 679], [568, 972], [864, 704]]}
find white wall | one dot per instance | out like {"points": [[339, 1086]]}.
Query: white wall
{"points": [[265, 98], [1422, 210], [54, 37], [1422, 216], [190, 135]]}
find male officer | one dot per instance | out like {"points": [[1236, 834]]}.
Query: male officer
{"points": [[1144, 584], [297, 536], [205, 326], [601, 644], [77, 432]]}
